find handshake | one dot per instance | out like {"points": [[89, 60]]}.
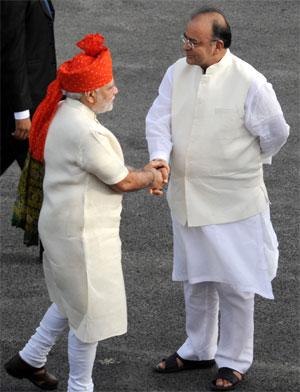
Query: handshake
{"points": [[153, 176], [160, 170]]}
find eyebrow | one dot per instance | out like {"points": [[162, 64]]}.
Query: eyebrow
{"points": [[191, 39]]}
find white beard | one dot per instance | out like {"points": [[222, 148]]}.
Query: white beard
{"points": [[105, 108]]}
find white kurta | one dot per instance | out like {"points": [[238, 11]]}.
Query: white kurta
{"points": [[244, 253], [79, 223]]}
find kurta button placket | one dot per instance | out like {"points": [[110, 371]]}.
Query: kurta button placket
{"points": [[190, 157]]}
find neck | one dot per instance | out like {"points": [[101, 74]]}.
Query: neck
{"points": [[85, 102], [214, 60]]}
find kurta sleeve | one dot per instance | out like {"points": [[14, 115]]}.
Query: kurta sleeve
{"points": [[158, 120], [98, 157], [264, 118]]}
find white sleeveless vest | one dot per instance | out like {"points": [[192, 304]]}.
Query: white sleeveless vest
{"points": [[216, 165]]}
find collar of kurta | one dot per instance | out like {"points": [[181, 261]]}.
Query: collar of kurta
{"points": [[80, 106], [222, 64]]}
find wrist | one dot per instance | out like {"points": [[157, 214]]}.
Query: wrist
{"points": [[152, 179], [24, 114]]}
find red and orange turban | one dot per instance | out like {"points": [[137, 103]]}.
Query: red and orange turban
{"points": [[85, 72]]}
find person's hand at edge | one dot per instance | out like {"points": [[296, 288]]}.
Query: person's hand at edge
{"points": [[22, 129]]}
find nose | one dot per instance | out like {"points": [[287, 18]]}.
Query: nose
{"points": [[186, 46], [116, 90]]}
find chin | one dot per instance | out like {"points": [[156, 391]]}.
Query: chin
{"points": [[110, 108], [190, 61], [107, 108]]}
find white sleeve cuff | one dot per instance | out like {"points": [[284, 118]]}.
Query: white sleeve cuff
{"points": [[22, 115], [266, 160], [160, 155]]}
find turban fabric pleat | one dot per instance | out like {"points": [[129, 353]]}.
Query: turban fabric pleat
{"points": [[84, 72]]}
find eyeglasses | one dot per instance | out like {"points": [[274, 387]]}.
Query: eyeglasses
{"points": [[191, 43]]}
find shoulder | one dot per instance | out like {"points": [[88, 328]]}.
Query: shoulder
{"points": [[73, 119], [180, 64], [13, 6], [168, 76], [99, 132], [181, 68], [247, 70]]}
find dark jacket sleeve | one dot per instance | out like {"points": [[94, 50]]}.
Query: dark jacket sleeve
{"points": [[14, 75]]}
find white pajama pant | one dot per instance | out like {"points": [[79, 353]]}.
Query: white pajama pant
{"points": [[233, 346], [81, 355]]}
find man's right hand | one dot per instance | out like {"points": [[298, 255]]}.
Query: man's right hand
{"points": [[22, 129], [164, 169], [162, 166], [158, 182]]}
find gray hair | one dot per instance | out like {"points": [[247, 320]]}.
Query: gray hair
{"points": [[76, 96]]}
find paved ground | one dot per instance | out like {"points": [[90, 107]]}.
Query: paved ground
{"points": [[143, 36]]}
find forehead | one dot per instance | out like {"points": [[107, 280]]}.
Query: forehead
{"points": [[200, 26]]}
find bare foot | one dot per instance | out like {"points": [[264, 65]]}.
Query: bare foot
{"points": [[220, 382], [162, 364]]}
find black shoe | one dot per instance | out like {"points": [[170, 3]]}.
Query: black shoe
{"points": [[18, 368], [171, 364]]}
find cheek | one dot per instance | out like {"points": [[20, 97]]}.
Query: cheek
{"points": [[204, 52], [107, 96], [111, 95]]}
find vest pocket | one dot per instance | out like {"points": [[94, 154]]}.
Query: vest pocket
{"points": [[228, 123]]}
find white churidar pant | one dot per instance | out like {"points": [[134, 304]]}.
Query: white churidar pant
{"points": [[81, 355], [203, 301]]}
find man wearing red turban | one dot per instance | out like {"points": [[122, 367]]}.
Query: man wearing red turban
{"points": [[85, 176]]}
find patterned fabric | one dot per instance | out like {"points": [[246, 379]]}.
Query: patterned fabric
{"points": [[89, 70], [29, 200]]}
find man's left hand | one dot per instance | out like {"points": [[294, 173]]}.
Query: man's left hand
{"points": [[22, 129]]}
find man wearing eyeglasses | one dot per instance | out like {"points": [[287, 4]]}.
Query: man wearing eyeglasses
{"points": [[217, 120]]}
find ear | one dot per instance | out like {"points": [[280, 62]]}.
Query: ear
{"points": [[90, 96], [219, 45]]}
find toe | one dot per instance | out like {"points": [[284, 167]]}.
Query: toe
{"points": [[161, 365], [220, 382]]}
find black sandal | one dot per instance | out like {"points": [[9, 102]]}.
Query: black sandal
{"points": [[172, 365], [228, 375]]}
